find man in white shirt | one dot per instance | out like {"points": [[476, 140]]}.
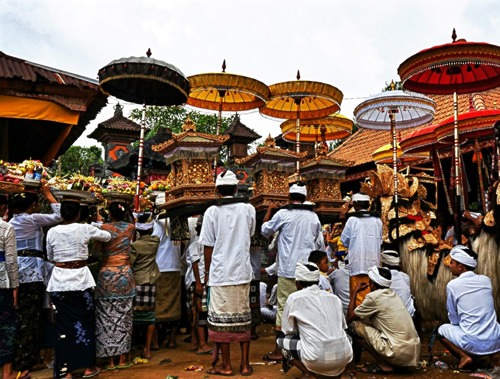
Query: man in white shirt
{"points": [[225, 234], [362, 235], [168, 286], [473, 329], [339, 279], [314, 326], [300, 232], [385, 328], [400, 280]]}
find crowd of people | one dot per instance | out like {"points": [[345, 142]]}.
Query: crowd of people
{"points": [[327, 304]]}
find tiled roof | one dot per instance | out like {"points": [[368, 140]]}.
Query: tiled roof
{"points": [[241, 131], [17, 68], [118, 121], [360, 145]]}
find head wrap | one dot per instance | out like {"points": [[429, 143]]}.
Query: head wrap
{"points": [[374, 275], [389, 257], [148, 224], [226, 178], [460, 254], [300, 189], [303, 274], [360, 197]]}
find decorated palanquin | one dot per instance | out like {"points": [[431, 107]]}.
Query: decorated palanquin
{"points": [[271, 169], [191, 156], [322, 176]]}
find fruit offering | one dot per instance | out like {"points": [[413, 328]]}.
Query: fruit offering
{"points": [[120, 185], [159, 185]]}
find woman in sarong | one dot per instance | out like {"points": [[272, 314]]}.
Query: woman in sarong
{"points": [[115, 290], [9, 283], [70, 286], [29, 225]]}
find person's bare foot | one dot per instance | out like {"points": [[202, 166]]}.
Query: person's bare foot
{"points": [[464, 362], [220, 370]]}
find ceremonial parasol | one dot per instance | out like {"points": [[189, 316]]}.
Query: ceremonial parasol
{"points": [[473, 125], [147, 81], [302, 100], [458, 67], [226, 92], [329, 128], [391, 110], [384, 155]]}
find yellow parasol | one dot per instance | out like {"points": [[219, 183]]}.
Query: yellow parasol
{"points": [[298, 100], [226, 92], [384, 155]]}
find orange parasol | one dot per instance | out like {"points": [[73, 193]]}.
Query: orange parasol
{"points": [[298, 100], [458, 67], [226, 92]]}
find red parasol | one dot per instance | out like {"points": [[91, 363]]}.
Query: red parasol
{"points": [[147, 81], [456, 67]]}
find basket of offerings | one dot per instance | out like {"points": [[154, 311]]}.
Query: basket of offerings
{"points": [[112, 196], [77, 187], [10, 179], [118, 189]]}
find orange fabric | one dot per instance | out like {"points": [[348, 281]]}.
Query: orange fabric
{"points": [[35, 109], [353, 282]]}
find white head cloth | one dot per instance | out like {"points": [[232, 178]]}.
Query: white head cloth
{"points": [[226, 178], [298, 189], [458, 253], [390, 257], [360, 197], [144, 225], [374, 275], [303, 274]]}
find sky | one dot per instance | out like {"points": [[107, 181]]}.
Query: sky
{"points": [[354, 45]]}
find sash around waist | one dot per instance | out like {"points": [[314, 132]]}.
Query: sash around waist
{"points": [[116, 261], [71, 264]]}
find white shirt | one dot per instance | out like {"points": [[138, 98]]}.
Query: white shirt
{"points": [[29, 235], [228, 229], [317, 317], [9, 270], [168, 257], [401, 285], [299, 234], [474, 327], [70, 243], [194, 254], [363, 237], [339, 279], [324, 283]]}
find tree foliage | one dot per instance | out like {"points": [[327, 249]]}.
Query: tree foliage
{"points": [[79, 159], [173, 117]]}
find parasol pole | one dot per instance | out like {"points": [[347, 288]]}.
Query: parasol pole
{"points": [[456, 161], [222, 93], [480, 173], [297, 134], [392, 113], [139, 159]]}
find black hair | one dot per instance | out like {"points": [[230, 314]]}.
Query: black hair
{"points": [[316, 256], [84, 213], [363, 204], [20, 202], [227, 190], [118, 210], [297, 197], [143, 217], [70, 210], [4, 199], [384, 273]]}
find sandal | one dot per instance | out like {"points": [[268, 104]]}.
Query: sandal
{"points": [[92, 374]]}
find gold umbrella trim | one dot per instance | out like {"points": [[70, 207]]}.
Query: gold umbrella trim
{"points": [[317, 100], [241, 93]]}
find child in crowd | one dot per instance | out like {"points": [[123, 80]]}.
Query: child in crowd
{"points": [[320, 258]]}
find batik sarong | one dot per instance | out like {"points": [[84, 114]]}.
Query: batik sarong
{"points": [[229, 317], [114, 319], [8, 326], [75, 330]]}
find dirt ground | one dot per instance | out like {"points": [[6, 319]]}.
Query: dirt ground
{"points": [[181, 358]]}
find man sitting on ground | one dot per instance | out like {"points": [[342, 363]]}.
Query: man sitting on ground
{"points": [[386, 330], [473, 329], [313, 324]]}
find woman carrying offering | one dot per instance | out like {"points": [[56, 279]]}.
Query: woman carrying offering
{"points": [[71, 285], [115, 290]]}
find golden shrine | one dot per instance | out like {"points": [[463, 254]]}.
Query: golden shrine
{"points": [[271, 168], [191, 156], [322, 176]]}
